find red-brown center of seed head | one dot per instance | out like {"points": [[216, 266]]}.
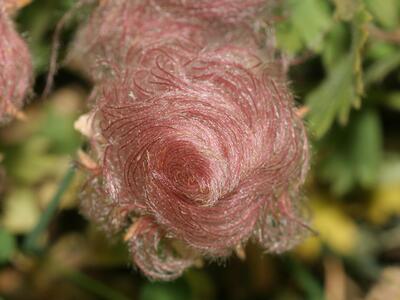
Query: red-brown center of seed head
{"points": [[185, 173]]}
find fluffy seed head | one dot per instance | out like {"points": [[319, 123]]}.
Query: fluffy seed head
{"points": [[15, 69], [115, 26], [207, 148], [107, 38], [198, 145], [224, 11]]}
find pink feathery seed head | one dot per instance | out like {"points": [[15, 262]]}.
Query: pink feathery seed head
{"points": [[200, 147], [223, 11], [115, 27], [15, 69], [106, 40]]}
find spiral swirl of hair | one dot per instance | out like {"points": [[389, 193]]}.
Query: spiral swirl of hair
{"points": [[199, 146]]}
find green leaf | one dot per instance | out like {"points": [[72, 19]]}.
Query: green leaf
{"points": [[39, 20], [336, 171], [367, 148], [305, 279], [360, 36], [386, 12], [393, 101], [343, 87], [354, 154], [381, 68], [379, 50], [288, 38], [33, 162], [309, 21], [165, 291], [312, 20], [335, 46], [346, 9], [101, 290], [8, 246], [59, 129], [334, 96], [201, 285]]}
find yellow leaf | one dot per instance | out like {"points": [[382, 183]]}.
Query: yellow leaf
{"points": [[21, 211], [336, 230], [385, 203], [310, 249]]}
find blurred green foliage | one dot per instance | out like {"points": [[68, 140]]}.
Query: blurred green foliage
{"points": [[8, 246], [356, 56]]}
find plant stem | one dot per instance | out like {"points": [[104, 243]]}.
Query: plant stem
{"points": [[94, 286], [31, 241]]}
